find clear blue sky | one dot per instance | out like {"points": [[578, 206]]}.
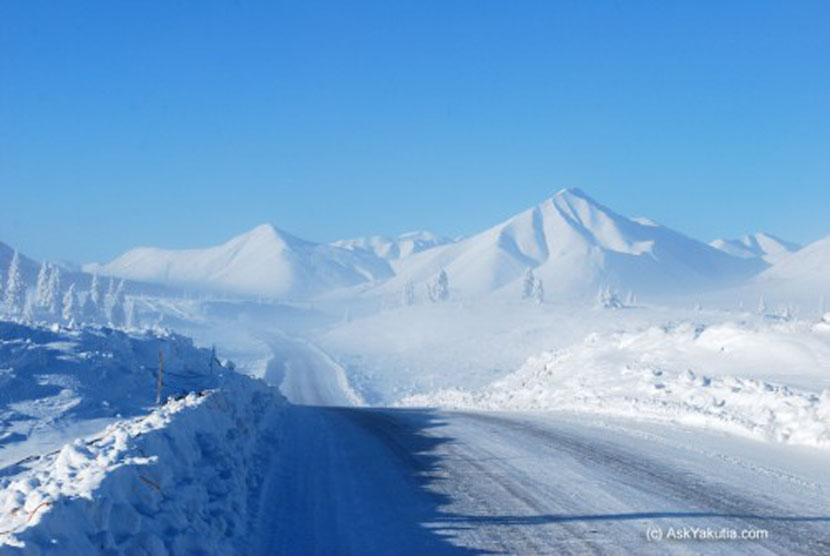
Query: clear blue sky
{"points": [[181, 123]]}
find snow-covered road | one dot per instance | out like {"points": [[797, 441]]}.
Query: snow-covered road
{"points": [[410, 481]]}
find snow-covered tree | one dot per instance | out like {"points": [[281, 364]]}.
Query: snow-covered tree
{"points": [[42, 289], [130, 318], [29, 309], [785, 312], [408, 296], [439, 290], [70, 305], [109, 298], [608, 298], [54, 292], [96, 294], [528, 284], [538, 291], [762, 306], [15, 294], [630, 299], [116, 315]]}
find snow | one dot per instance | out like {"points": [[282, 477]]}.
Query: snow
{"points": [[126, 476], [759, 245], [809, 265], [57, 377], [768, 380]]}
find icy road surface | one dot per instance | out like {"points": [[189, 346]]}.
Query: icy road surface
{"points": [[405, 481]]}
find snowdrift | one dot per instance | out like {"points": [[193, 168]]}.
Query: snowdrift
{"points": [[180, 478], [727, 376]]}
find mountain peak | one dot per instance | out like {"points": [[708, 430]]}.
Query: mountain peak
{"points": [[570, 193]]}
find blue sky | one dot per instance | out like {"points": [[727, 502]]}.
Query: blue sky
{"points": [[183, 123]]}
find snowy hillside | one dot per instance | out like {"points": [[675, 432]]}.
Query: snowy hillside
{"points": [[575, 245], [810, 264], [802, 277], [264, 261], [759, 245], [391, 249]]}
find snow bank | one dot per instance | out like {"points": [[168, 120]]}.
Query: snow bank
{"points": [[731, 376], [183, 479], [89, 465]]}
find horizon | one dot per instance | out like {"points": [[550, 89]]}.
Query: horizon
{"points": [[180, 125]]}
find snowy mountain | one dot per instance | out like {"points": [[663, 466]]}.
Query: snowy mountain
{"points": [[808, 267], [759, 245], [392, 249], [575, 244], [264, 261]]}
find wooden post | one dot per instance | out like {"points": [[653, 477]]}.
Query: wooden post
{"points": [[160, 376]]}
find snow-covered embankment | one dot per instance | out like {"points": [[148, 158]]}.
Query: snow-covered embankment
{"points": [[182, 478], [767, 380]]}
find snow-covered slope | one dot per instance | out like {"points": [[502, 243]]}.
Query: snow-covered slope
{"points": [[264, 261], [811, 263], [575, 244], [803, 276], [759, 245], [391, 249]]}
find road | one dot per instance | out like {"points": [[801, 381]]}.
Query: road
{"points": [[354, 480]]}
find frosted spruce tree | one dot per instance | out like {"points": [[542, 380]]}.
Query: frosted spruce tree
{"points": [[608, 298], [54, 292], [408, 296], [762, 306], [15, 295], [538, 291], [130, 317], [440, 288], [96, 293], [528, 284], [116, 315], [42, 288], [108, 299], [532, 287], [70, 305]]}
